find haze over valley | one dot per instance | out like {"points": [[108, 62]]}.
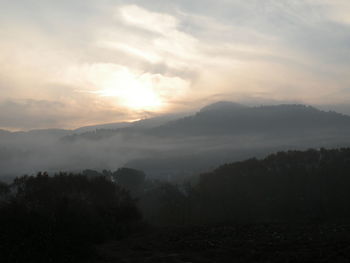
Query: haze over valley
{"points": [[175, 145]]}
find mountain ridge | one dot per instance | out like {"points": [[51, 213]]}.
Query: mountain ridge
{"points": [[271, 118], [211, 113]]}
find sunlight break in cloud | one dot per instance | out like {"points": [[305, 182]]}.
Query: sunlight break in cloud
{"points": [[122, 59], [135, 90]]}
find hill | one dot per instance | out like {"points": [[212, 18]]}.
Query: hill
{"points": [[285, 187], [175, 146], [232, 118]]}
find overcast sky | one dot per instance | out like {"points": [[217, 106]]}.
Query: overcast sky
{"points": [[65, 64]]}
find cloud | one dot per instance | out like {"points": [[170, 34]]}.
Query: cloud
{"points": [[30, 113], [38, 114], [74, 53], [153, 21], [138, 90]]}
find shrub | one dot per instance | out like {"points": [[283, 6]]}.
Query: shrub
{"points": [[59, 218]]}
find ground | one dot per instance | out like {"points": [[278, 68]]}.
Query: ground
{"points": [[243, 243]]}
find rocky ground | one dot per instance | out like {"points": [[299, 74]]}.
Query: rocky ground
{"points": [[245, 243]]}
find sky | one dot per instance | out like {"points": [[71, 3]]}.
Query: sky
{"points": [[66, 64]]}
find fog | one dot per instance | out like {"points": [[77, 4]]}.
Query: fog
{"points": [[174, 146]]}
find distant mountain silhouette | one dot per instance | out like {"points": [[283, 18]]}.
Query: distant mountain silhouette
{"points": [[233, 118], [115, 125], [103, 131], [157, 121], [220, 118], [173, 144], [222, 106]]}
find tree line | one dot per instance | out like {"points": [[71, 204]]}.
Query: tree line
{"points": [[293, 186], [59, 218]]}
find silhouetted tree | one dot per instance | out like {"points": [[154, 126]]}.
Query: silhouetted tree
{"points": [[131, 179], [57, 219], [286, 186], [4, 188]]}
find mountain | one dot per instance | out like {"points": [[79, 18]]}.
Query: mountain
{"points": [[176, 145], [157, 121], [222, 106], [225, 118], [114, 126], [103, 131], [224, 132]]}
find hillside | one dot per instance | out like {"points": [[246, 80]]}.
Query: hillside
{"points": [[231, 118], [286, 186], [174, 146]]}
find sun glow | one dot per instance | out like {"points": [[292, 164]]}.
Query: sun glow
{"points": [[135, 96], [123, 87], [135, 92]]}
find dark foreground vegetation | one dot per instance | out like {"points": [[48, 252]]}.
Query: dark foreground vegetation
{"points": [[288, 207], [293, 186], [306, 243], [59, 218]]}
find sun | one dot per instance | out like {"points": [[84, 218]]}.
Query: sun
{"points": [[132, 91]]}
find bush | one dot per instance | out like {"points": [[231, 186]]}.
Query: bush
{"points": [[131, 179], [59, 218]]}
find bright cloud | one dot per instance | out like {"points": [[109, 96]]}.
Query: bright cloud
{"points": [[136, 90], [125, 59], [157, 22]]}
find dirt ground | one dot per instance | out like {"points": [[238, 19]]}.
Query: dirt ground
{"points": [[245, 243]]}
